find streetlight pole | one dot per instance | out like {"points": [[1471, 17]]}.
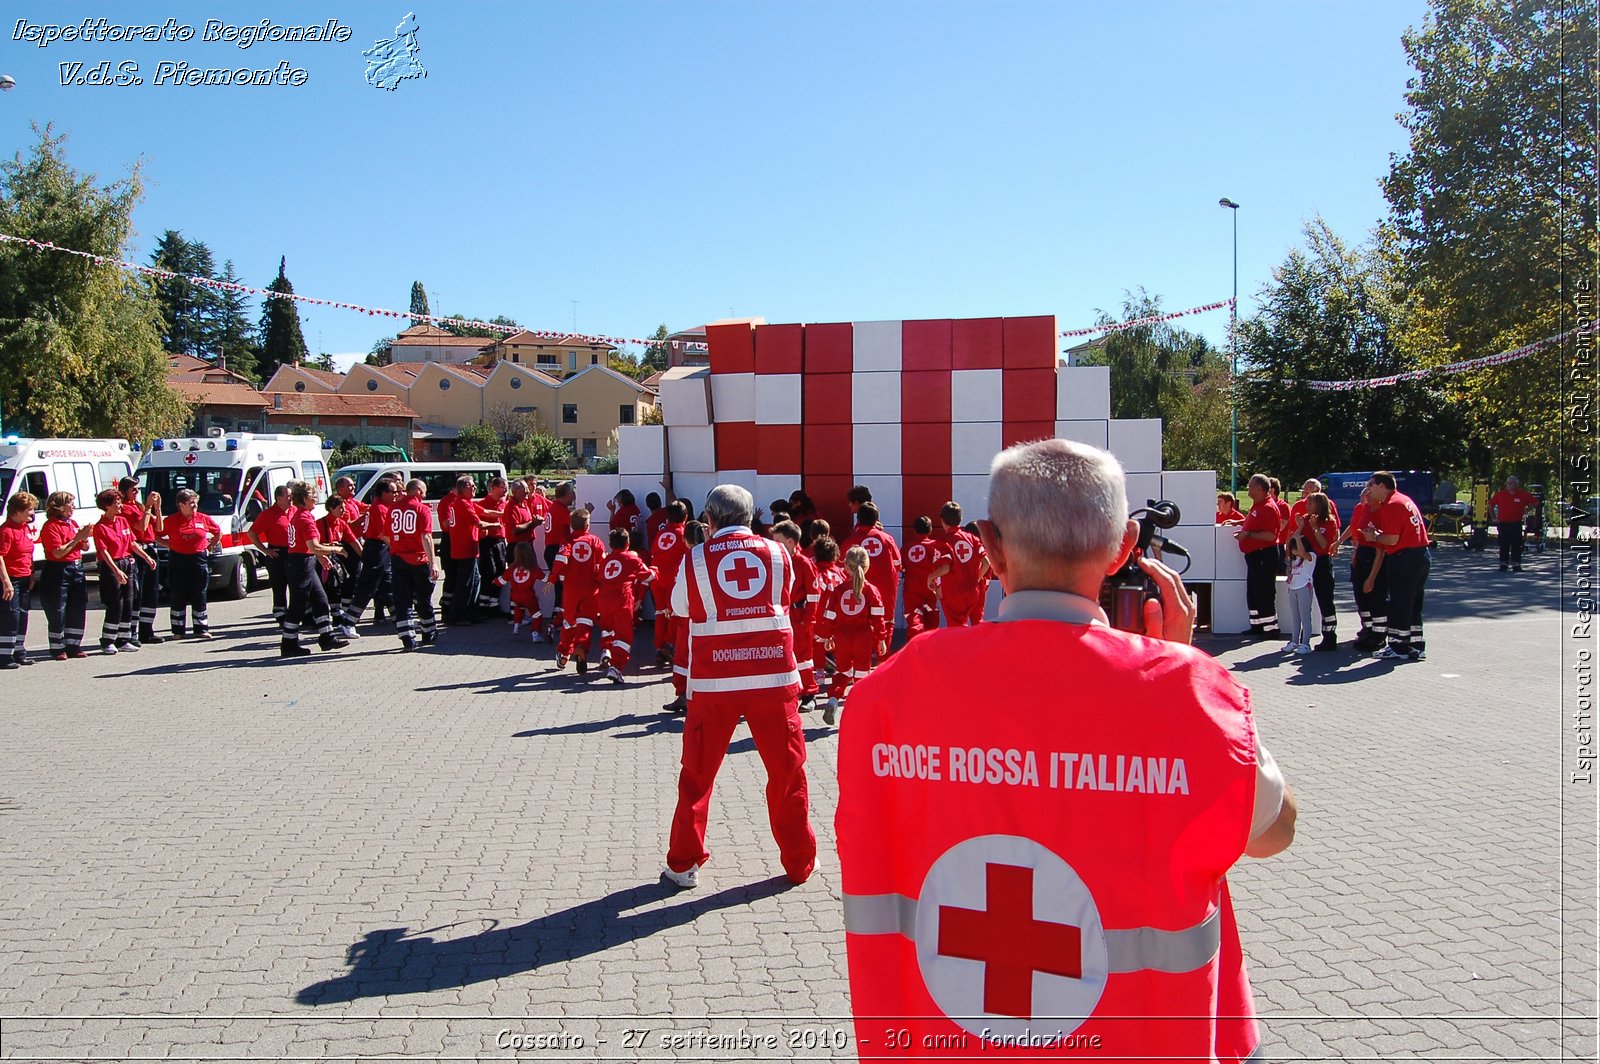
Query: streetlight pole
{"points": [[1233, 354]]}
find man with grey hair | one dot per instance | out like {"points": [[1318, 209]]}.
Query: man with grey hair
{"points": [[1052, 842], [735, 590]]}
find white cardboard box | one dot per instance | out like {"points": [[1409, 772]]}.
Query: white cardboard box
{"points": [[642, 449], [693, 449], [1142, 487], [686, 396], [1229, 558], [1195, 492], [694, 487], [972, 492], [598, 488], [772, 486], [973, 445], [733, 396], [1083, 393], [976, 395], [1201, 544], [875, 450], [1135, 441], [875, 398], [886, 496], [1229, 613], [745, 478], [1091, 432], [876, 346], [778, 399]]}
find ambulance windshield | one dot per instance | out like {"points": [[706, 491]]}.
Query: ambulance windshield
{"points": [[218, 488], [6, 477]]}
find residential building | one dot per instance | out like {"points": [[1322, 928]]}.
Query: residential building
{"points": [[428, 343], [218, 398], [366, 420], [298, 378], [559, 357]]}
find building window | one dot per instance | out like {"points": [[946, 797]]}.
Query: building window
{"points": [[372, 385], [594, 360], [515, 357], [569, 413], [591, 448], [444, 384], [516, 382], [299, 386], [548, 360], [625, 414]]}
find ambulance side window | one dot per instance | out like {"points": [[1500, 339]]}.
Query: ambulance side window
{"points": [[278, 477], [257, 494], [316, 474], [35, 484], [78, 478]]}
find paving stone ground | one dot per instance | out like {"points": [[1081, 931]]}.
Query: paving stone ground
{"points": [[209, 854]]}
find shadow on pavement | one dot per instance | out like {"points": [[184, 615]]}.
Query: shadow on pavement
{"points": [[652, 724], [390, 961]]}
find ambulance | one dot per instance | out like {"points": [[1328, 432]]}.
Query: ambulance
{"points": [[83, 467], [235, 475]]}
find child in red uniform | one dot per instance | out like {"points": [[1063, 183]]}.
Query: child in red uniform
{"points": [[921, 601], [830, 574], [623, 578], [1228, 512], [667, 549], [962, 570], [694, 534], [523, 577], [802, 610], [854, 625], [576, 573]]}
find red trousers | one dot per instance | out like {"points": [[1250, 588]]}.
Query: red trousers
{"points": [[664, 620], [852, 658], [774, 719], [680, 655], [962, 609], [577, 627], [922, 613], [804, 641], [616, 636]]}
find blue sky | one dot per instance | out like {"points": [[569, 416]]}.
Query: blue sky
{"points": [[678, 162]]}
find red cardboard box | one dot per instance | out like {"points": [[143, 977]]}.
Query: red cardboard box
{"points": [[1028, 395], [827, 398], [828, 493], [922, 496], [733, 348], [925, 345], [1011, 432], [925, 449], [778, 450], [780, 348], [829, 348], [925, 396], [827, 451], [1030, 343], [736, 445], [977, 343]]}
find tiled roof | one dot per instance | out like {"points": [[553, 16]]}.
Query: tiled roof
{"points": [[202, 394], [440, 338], [333, 404]]}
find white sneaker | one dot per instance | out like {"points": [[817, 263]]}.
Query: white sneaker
{"points": [[613, 675], [516, 626], [349, 632], [108, 649], [1389, 654], [538, 636], [684, 880], [1302, 648]]}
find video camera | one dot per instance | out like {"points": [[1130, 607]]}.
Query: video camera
{"points": [[1125, 591]]}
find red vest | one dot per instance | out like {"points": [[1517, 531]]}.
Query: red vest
{"points": [[1009, 852], [739, 587]]}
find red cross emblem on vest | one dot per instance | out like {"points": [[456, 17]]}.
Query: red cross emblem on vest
{"points": [[581, 551], [666, 541], [613, 569], [963, 550], [916, 553], [873, 546], [851, 604], [1009, 942], [741, 574]]}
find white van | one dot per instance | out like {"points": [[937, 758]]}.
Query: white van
{"points": [[440, 477], [235, 475], [83, 467]]}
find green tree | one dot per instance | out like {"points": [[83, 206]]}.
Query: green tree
{"points": [[539, 451], [80, 342], [187, 308], [627, 365], [478, 443], [657, 356], [1492, 207], [1329, 314], [379, 355], [282, 342], [230, 334], [419, 302], [479, 330]]}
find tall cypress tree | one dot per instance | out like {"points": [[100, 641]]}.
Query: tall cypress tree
{"points": [[231, 336], [419, 301], [282, 342]]}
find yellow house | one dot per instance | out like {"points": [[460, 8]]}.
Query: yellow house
{"points": [[560, 358], [296, 378], [593, 402]]}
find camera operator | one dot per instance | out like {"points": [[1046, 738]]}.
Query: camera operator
{"points": [[1053, 841]]}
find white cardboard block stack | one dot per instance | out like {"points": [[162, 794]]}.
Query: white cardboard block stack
{"points": [[686, 396], [693, 448], [778, 398], [1136, 442], [642, 450], [771, 487]]}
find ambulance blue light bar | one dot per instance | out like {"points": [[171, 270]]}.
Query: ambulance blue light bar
{"points": [[233, 445], [158, 445]]}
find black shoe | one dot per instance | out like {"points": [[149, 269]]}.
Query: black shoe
{"points": [[379, 617], [180, 633], [808, 703], [332, 642], [678, 706], [1504, 568], [203, 633], [1329, 642], [9, 665], [287, 649], [1516, 568], [25, 661], [427, 639], [583, 666], [408, 643]]}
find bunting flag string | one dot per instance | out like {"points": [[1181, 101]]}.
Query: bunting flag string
{"points": [[1154, 319], [266, 293], [1464, 366]]}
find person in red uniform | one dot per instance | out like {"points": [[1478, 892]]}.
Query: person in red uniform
{"points": [[625, 513], [667, 548], [735, 589], [465, 523], [858, 496], [1507, 507], [16, 579], [961, 571], [115, 550], [1258, 539], [557, 532], [1275, 499], [576, 573], [145, 521], [830, 574], [991, 893], [1317, 520], [376, 582], [414, 565], [308, 599], [654, 521], [921, 600], [190, 536], [1368, 582], [523, 579], [1311, 487], [694, 534], [1396, 526], [1228, 512], [355, 516], [624, 577], [63, 588], [269, 533], [804, 606], [492, 549], [854, 626], [883, 555]]}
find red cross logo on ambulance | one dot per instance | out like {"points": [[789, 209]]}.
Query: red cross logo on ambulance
{"points": [[963, 551], [191, 458], [613, 569], [741, 575], [851, 604], [915, 553], [873, 546], [1005, 931], [582, 551]]}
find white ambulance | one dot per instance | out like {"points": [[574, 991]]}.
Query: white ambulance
{"points": [[83, 467], [235, 475]]}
